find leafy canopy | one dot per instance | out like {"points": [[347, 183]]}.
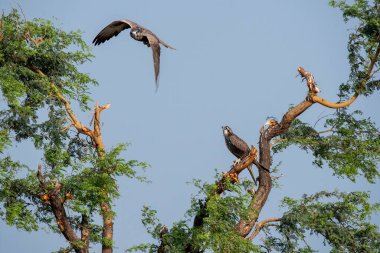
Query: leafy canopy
{"points": [[37, 62]]}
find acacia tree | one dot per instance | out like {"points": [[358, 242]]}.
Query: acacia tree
{"points": [[224, 217], [39, 82], [76, 179]]}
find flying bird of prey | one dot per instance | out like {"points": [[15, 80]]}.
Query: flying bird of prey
{"points": [[138, 33], [237, 147]]}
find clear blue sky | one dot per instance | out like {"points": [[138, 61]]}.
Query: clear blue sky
{"points": [[235, 64]]}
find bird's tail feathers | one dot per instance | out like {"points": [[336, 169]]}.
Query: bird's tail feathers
{"points": [[166, 45], [252, 175], [260, 166]]}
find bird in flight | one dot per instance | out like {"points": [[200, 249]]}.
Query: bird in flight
{"points": [[237, 147], [138, 33]]}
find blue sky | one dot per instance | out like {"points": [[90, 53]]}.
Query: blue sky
{"points": [[235, 64]]}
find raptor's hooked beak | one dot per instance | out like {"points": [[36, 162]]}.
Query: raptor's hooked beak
{"points": [[270, 122]]}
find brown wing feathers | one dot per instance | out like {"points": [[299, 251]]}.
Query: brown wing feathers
{"points": [[110, 31], [156, 49], [148, 38]]}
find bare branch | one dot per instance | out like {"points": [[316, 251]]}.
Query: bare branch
{"points": [[306, 75], [75, 122], [233, 174], [96, 138]]}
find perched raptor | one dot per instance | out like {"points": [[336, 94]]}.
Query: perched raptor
{"points": [[139, 33], [238, 147]]}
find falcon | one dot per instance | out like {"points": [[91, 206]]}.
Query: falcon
{"points": [[238, 148], [138, 33]]}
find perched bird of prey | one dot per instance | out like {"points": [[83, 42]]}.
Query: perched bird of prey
{"points": [[271, 122], [138, 33], [237, 147]]}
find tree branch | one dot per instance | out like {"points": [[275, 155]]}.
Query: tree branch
{"points": [[233, 174], [319, 100], [85, 233], [74, 120], [40, 177], [260, 225], [53, 199], [245, 226], [278, 141], [95, 136]]}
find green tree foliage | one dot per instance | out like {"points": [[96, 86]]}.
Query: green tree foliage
{"points": [[38, 66], [345, 131], [349, 144], [39, 80], [340, 218]]}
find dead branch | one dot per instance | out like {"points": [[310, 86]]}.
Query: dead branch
{"points": [[232, 176], [306, 75], [95, 136]]}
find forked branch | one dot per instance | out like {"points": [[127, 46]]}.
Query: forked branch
{"points": [[261, 224], [96, 138], [53, 199], [232, 176]]}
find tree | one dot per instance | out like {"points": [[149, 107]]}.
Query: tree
{"points": [[38, 73], [77, 179], [225, 217]]}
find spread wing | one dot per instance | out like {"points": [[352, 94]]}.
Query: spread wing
{"points": [[112, 30], [166, 45], [154, 43]]}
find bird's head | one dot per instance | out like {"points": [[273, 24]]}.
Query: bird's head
{"points": [[227, 130], [271, 122], [136, 34]]}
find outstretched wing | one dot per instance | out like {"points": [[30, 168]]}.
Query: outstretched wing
{"points": [[154, 43], [112, 30], [166, 45]]}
